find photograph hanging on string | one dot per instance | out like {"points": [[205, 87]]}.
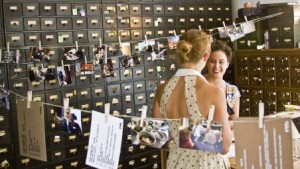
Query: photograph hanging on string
{"points": [[107, 68], [69, 121], [173, 41], [198, 136], [39, 55], [64, 75], [99, 53], [149, 132], [84, 68], [72, 53], [146, 46]]}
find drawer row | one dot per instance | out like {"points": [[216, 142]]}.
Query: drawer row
{"points": [[269, 70], [107, 9], [271, 81], [121, 22], [268, 60]]}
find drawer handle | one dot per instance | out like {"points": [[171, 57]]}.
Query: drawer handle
{"points": [[4, 164], [2, 133]]}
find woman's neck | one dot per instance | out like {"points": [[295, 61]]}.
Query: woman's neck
{"points": [[194, 66], [216, 81]]}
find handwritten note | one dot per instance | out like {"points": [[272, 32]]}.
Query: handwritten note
{"points": [[31, 132], [105, 141]]}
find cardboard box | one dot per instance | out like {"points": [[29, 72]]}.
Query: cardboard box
{"points": [[268, 147]]}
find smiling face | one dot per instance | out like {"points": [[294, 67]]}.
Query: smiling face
{"points": [[217, 64]]}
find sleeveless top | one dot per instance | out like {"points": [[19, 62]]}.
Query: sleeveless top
{"points": [[186, 158]]}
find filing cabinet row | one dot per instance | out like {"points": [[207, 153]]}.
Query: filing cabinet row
{"points": [[123, 8], [271, 76]]}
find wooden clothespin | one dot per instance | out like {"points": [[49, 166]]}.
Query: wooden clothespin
{"points": [[76, 45], [210, 115], [0, 55], [29, 98], [246, 19], [143, 115], [85, 60], [174, 31], [185, 122], [261, 112], [224, 25], [40, 45], [62, 63], [234, 25], [146, 39], [66, 104], [7, 47], [105, 56], [106, 111], [100, 42], [200, 27], [158, 46], [18, 55]]}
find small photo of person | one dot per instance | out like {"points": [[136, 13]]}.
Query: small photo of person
{"points": [[37, 74], [39, 54], [61, 122], [146, 46], [74, 121], [64, 75], [173, 41], [198, 137], [99, 53], [126, 61], [107, 68]]}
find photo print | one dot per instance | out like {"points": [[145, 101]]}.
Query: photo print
{"points": [[99, 53], [69, 121], [114, 50], [84, 68], [126, 49], [173, 41], [152, 133], [197, 136], [71, 53], [64, 75], [40, 74], [107, 68], [8, 57], [39, 55], [160, 54], [126, 61], [146, 46]]}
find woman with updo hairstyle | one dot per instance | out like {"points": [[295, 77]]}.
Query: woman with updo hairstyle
{"points": [[189, 95]]}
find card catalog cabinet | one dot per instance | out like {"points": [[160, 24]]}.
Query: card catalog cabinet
{"points": [[271, 76]]}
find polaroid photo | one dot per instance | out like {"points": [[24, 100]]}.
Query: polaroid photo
{"points": [[37, 74], [126, 61], [71, 53], [114, 50], [146, 46], [126, 49], [64, 75], [99, 53], [197, 136], [173, 41], [38, 55], [160, 54], [148, 132], [8, 57], [107, 68], [74, 124]]}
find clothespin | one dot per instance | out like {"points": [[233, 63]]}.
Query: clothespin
{"points": [[120, 43], [185, 122], [210, 115], [106, 111], [76, 45], [62, 63], [18, 56], [261, 112], [105, 56], [85, 60], [29, 98], [200, 27], [7, 47], [143, 115], [66, 104], [100, 42], [158, 46], [40, 45], [224, 25], [234, 25], [174, 31], [246, 19], [146, 40]]}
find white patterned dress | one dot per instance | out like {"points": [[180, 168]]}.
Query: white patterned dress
{"points": [[185, 158]]}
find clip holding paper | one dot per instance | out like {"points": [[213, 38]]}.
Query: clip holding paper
{"points": [[85, 60], [174, 31], [66, 104], [100, 42], [246, 19], [146, 40], [29, 98], [261, 112], [62, 63], [76, 45], [210, 115], [106, 111], [143, 115], [200, 27], [185, 122]]}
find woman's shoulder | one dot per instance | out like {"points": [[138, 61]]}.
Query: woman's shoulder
{"points": [[232, 89]]}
